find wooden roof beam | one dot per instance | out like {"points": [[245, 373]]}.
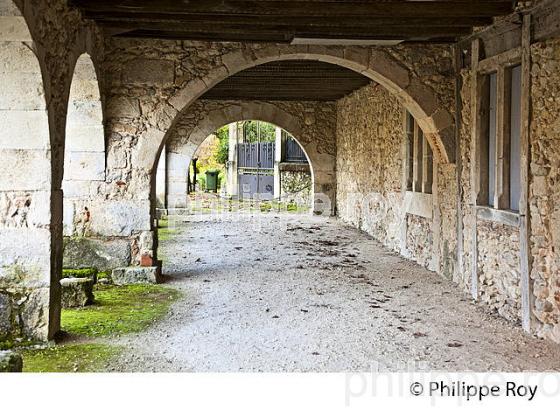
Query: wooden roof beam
{"points": [[383, 8]]}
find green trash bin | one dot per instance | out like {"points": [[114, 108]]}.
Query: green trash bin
{"points": [[212, 181]]}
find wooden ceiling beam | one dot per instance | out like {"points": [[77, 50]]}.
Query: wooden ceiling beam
{"points": [[228, 33], [198, 36], [382, 8], [318, 30], [144, 20]]}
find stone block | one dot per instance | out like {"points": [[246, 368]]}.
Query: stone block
{"points": [[123, 107], [33, 314], [136, 274], [10, 362], [68, 217], [147, 71], [17, 57], [22, 91], [85, 91], [77, 292], [85, 166], [26, 129], [25, 170], [14, 29], [120, 218], [23, 316], [146, 242], [104, 255], [86, 138], [25, 257], [9, 8], [82, 113], [387, 72]]}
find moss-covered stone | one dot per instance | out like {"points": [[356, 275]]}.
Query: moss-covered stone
{"points": [[103, 255], [77, 292], [10, 362]]}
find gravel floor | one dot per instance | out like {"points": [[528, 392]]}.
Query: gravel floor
{"points": [[276, 292]]}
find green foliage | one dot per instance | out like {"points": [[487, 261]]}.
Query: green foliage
{"points": [[69, 358], [265, 206], [201, 182], [79, 273], [104, 275], [221, 154], [252, 129], [119, 309], [291, 207]]}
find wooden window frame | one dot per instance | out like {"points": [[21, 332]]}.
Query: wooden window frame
{"points": [[420, 178], [501, 65]]}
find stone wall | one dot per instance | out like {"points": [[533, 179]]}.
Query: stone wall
{"points": [[498, 244], [295, 184], [419, 240], [544, 191], [446, 221], [498, 267], [369, 163], [370, 196]]}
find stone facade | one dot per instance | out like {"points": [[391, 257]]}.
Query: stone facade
{"points": [[544, 193], [370, 144], [497, 244]]}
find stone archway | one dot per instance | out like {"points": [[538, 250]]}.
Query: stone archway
{"points": [[317, 144], [421, 100], [413, 86]]}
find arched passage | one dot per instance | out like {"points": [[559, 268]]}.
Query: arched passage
{"points": [[84, 156], [419, 99], [182, 145], [25, 186]]}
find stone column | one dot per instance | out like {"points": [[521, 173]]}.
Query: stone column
{"points": [[30, 224], [232, 174], [278, 157], [162, 180], [177, 174]]}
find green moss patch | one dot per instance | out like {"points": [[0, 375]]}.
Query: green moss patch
{"points": [[79, 273], [69, 358], [119, 309], [104, 275], [164, 234]]}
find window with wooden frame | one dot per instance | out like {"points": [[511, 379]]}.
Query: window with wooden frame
{"points": [[499, 138], [419, 158]]}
